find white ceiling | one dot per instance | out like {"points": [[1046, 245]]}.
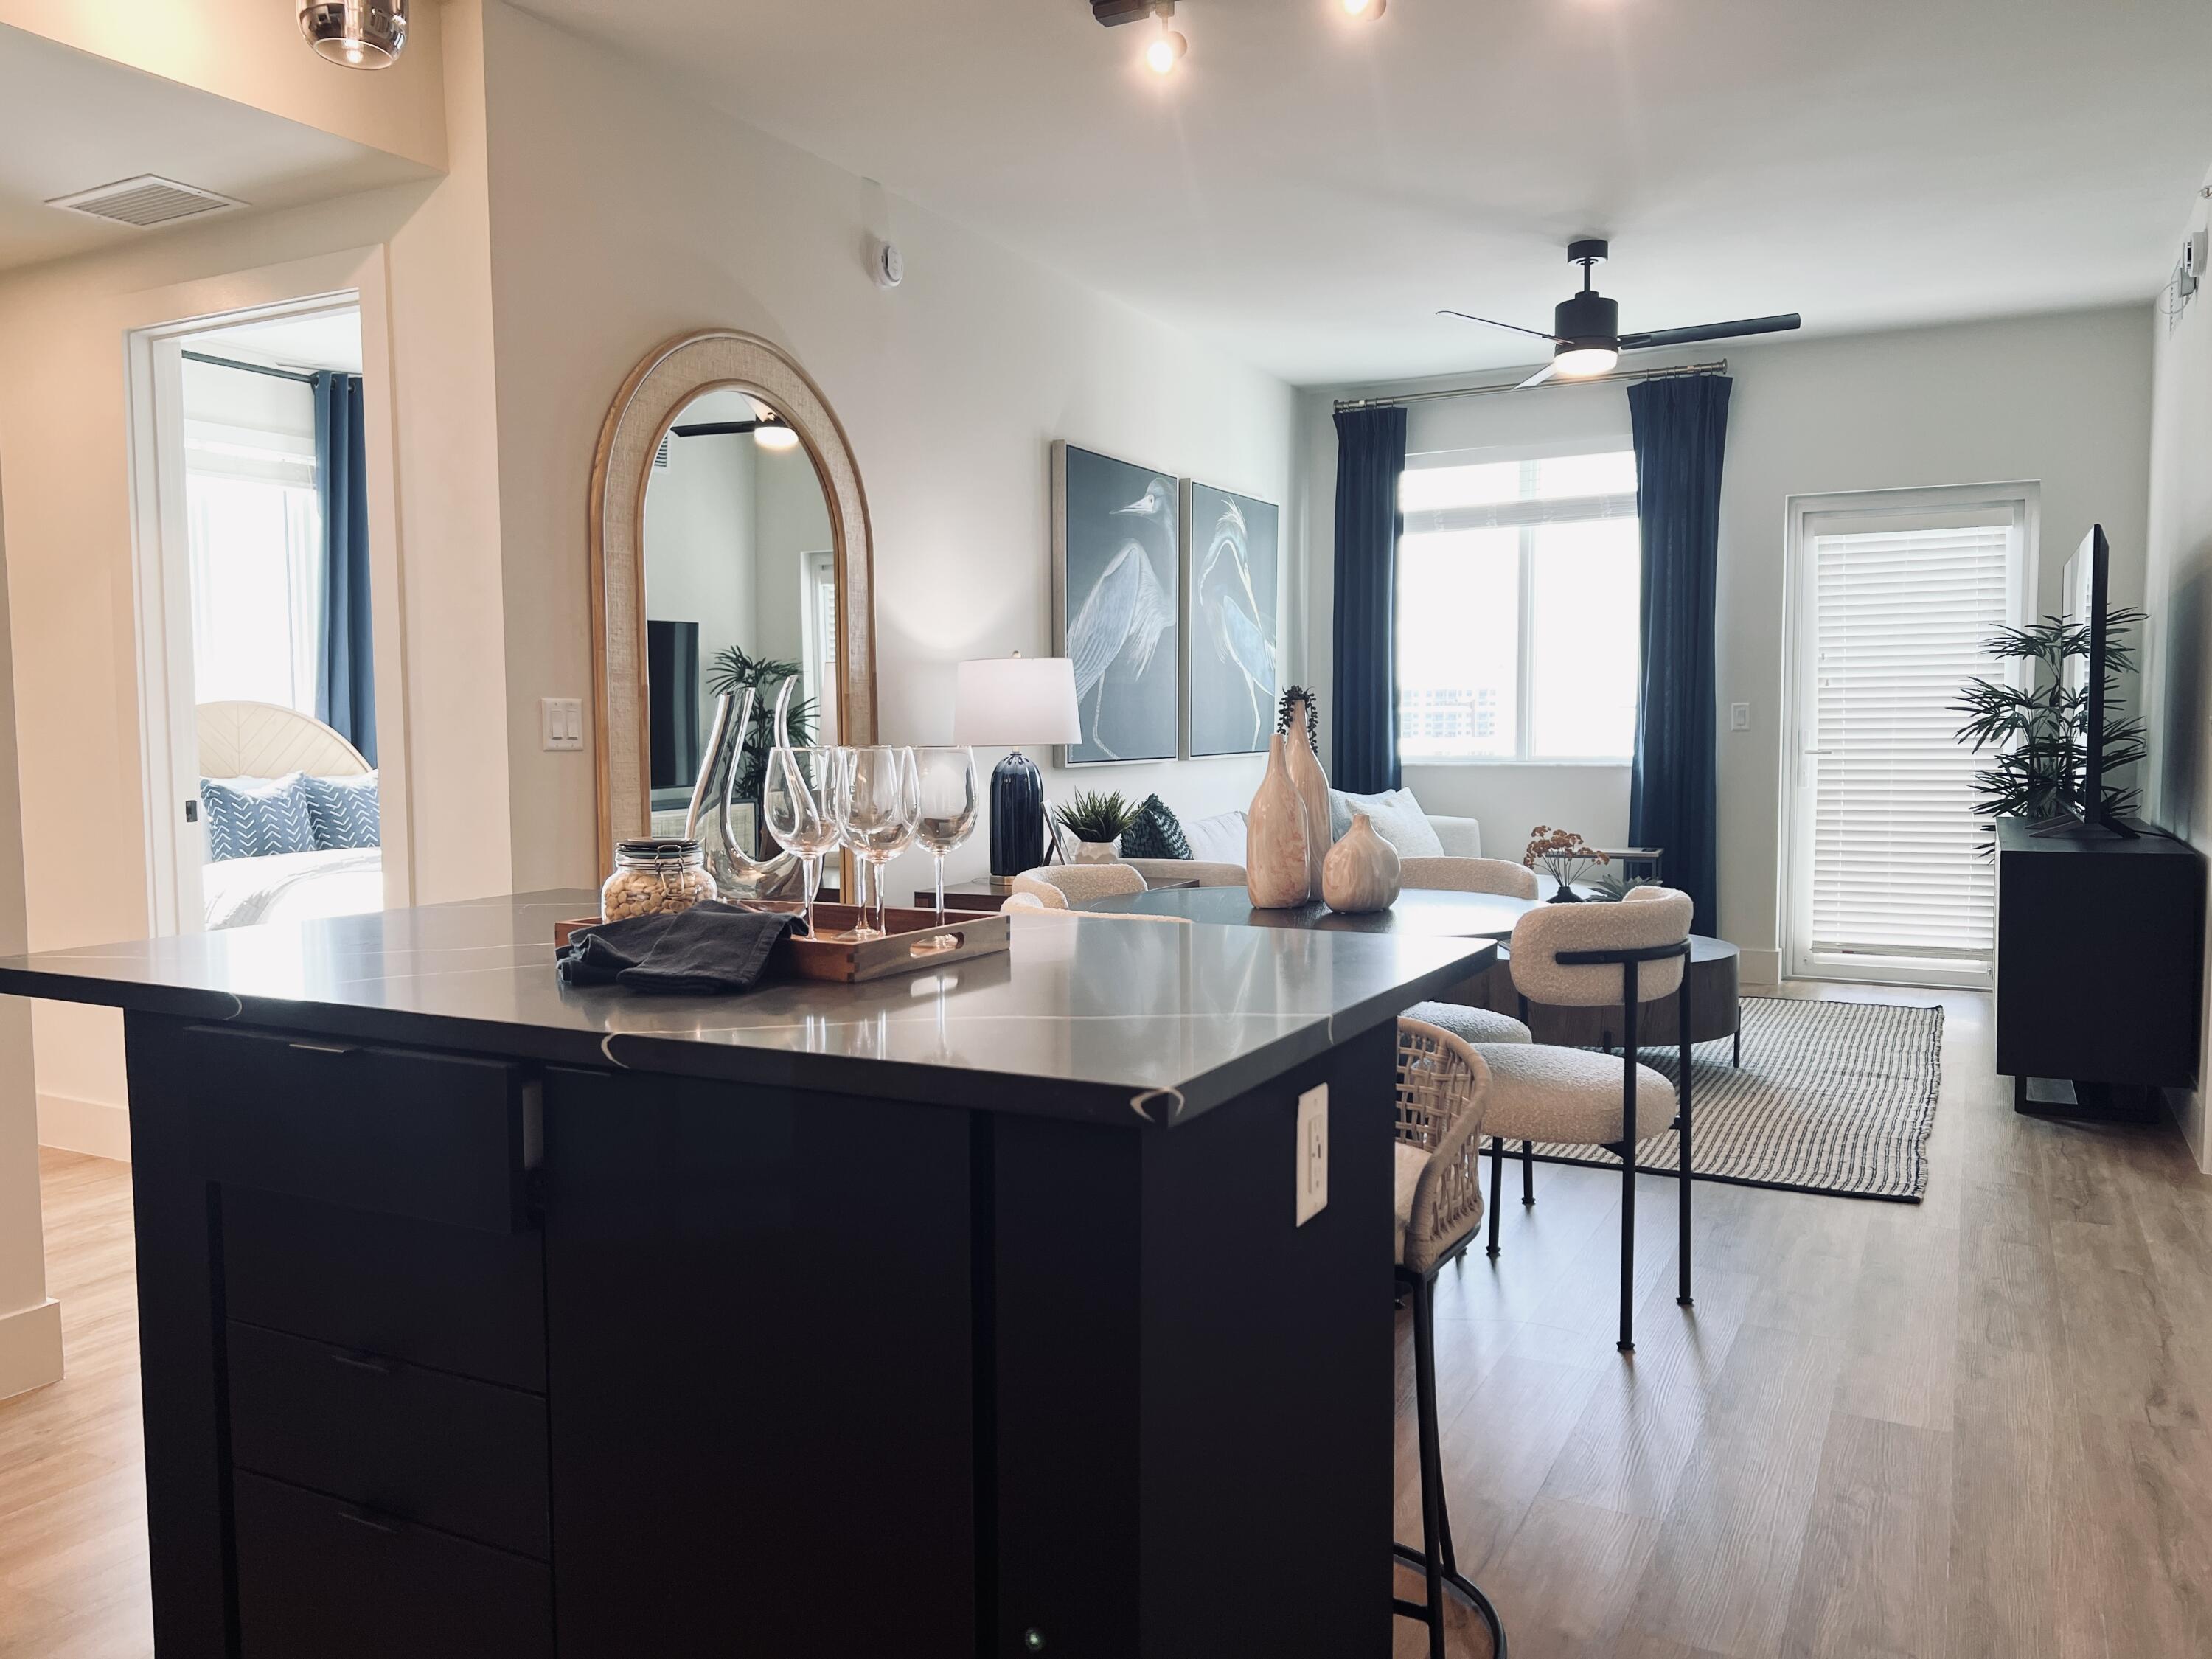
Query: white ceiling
{"points": [[69, 120], [1307, 189]]}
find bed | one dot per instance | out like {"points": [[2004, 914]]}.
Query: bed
{"points": [[262, 740]]}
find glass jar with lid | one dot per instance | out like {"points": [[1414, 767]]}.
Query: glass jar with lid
{"points": [[655, 878]]}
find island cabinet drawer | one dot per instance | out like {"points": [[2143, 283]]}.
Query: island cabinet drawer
{"points": [[451, 1298], [320, 1578], [446, 1451], [443, 1138]]}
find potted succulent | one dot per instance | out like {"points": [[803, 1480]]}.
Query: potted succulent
{"points": [[1096, 821], [1565, 856]]}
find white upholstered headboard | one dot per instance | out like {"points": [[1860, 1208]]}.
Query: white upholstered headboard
{"points": [[261, 740]]}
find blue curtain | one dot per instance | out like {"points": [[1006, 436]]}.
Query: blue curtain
{"points": [[345, 682], [1370, 453], [1680, 425]]}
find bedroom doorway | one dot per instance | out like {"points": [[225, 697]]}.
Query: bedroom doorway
{"points": [[257, 643]]}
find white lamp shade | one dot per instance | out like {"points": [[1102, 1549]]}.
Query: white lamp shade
{"points": [[1004, 703]]}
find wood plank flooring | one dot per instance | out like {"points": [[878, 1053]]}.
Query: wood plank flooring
{"points": [[1981, 1425]]}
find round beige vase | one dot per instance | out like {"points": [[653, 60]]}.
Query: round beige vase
{"points": [[1361, 871], [1275, 865]]}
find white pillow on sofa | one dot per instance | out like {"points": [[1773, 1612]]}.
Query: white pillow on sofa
{"points": [[1216, 840], [1398, 819]]}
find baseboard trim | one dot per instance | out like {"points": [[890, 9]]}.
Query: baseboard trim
{"points": [[30, 1348], [97, 1128]]}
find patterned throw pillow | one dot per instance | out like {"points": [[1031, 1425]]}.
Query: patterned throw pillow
{"points": [[1154, 833], [254, 818], [344, 811]]}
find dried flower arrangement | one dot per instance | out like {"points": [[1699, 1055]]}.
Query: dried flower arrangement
{"points": [[1565, 856]]}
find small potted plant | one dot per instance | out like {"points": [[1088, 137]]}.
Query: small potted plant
{"points": [[1565, 856], [1096, 821]]}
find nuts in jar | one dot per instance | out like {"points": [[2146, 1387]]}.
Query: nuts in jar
{"points": [[655, 878]]}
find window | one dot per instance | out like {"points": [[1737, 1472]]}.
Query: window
{"points": [[1517, 588], [254, 528], [1895, 596]]}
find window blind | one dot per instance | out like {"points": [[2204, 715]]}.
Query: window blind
{"points": [[1902, 620]]}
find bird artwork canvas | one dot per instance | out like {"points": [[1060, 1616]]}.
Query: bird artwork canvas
{"points": [[1116, 577], [1234, 567]]}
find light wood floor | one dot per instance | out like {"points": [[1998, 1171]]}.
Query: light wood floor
{"points": [[1981, 1425]]}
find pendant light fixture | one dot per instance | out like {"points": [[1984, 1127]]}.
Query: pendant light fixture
{"points": [[1167, 46], [368, 34]]}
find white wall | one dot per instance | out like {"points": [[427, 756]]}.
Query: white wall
{"points": [[66, 517], [2063, 399], [701, 561], [2177, 668], [623, 215]]}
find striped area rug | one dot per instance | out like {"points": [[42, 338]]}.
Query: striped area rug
{"points": [[1833, 1097]]}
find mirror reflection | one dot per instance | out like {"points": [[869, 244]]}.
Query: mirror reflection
{"points": [[740, 592]]}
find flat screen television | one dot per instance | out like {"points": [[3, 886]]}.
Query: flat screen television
{"points": [[2085, 602], [671, 697]]}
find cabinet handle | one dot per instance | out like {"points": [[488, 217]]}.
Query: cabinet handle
{"points": [[373, 1522], [324, 1047]]}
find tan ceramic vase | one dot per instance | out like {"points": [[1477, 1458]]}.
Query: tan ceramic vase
{"points": [[1362, 872], [1312, 785], [1276, 867]]}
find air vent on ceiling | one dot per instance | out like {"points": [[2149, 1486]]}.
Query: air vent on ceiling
{"points": [[145, 201]]}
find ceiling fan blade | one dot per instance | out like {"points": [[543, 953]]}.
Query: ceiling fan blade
{"points": [[1674, 337], [1493, 322], [1540, 376]]}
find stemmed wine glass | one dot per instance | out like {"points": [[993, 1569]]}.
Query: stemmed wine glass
{"points": [[798, 806], [879, 804], [945, 779]]}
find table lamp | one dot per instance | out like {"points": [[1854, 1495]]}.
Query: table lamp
{"points": [[1005, 702]]}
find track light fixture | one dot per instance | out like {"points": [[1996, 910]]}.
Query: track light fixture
{"points": [[1365, 10], [368, 34], [1167, 46]]}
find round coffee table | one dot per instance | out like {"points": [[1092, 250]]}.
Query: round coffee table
{"points": [[1714, 986]]}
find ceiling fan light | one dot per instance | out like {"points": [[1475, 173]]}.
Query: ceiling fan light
{"points": [[1365, 10], [1166, 51], [778, 436], [365, 34], [1579, 363]]}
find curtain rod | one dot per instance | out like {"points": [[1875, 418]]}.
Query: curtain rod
{"points": [[251, 369], [1718, 366]]}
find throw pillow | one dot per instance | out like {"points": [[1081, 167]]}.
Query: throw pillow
{"points": [[1398, 819], [1154, 833], [1216, 840], [256, 817], [344, 811]]}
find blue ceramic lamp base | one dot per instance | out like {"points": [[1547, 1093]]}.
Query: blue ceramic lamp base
{"points": [[1017, 817]]}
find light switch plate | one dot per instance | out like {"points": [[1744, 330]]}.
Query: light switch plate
{"points": [[560, 722], [1739, 717], [1313, 1153]]}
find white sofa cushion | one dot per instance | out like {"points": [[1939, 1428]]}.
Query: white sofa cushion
{"points": [[1397, 816], [1216, 840]]}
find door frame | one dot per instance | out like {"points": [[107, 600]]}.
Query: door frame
{"points": [[2023, 499], [161, 565]]}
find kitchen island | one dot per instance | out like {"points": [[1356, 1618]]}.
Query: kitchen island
{"points": [[963, 1312]]}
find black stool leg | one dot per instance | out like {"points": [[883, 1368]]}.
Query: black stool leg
{"points": [[1497, 1186], [1527, 1173], [1432, 1478], [1628, 1051], [1682, 1062]]}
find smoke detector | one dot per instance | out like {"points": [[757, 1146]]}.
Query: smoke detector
{"points": [[144, 202]]}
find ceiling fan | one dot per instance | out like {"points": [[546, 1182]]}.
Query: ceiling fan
{"points": [[1586, 333]]}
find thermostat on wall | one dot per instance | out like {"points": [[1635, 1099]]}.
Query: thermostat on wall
{"points": [[890, 264]]}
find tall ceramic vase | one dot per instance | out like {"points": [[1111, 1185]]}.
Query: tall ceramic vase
{"points": [[1276, 866], [1312, 785]]}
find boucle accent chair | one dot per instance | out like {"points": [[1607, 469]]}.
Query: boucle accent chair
{"points": [[1029, 904], [1205, 874], [1472, 1024], [1461, 875], [1443, 1088], [1597, 956], [1060, 885]]}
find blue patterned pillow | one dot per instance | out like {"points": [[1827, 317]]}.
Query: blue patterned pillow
{"points": [[344, 811], [254, 818]]}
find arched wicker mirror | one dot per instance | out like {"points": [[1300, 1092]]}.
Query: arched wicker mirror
{"points": [[730, 547]]}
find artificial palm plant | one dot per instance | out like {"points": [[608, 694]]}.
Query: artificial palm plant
{"points": [[2036, 726], [732, 670]]}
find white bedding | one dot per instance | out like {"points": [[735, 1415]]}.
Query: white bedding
{"points": [[343, 881]]}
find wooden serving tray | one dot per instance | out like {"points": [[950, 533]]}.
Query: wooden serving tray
{"points": [[914, 940]]}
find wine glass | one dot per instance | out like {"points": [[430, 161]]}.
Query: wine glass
{"points": [[798, 806], [881, 804], [945, 779]]}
